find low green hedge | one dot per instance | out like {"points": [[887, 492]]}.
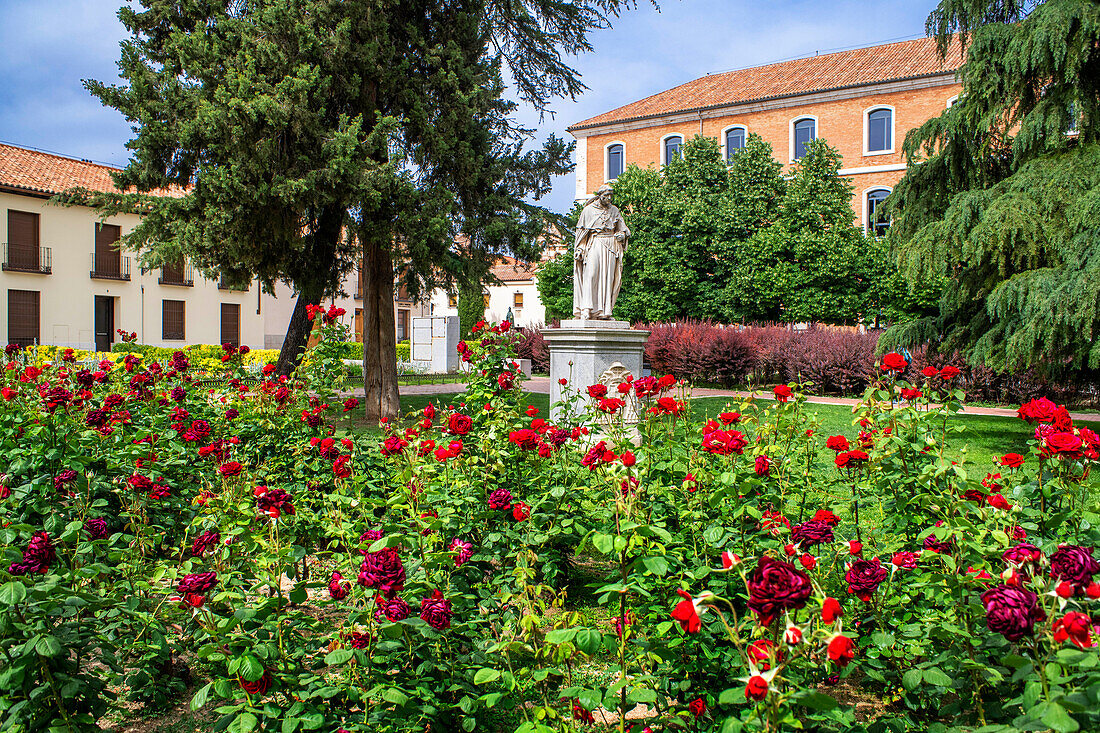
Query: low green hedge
{"points": [[354, 350], [206, 356]]}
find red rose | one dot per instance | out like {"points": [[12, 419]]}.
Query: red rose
{"points": [[1076, 627], [837, 443], [1066, 444], [894, 362], [597, 391], [729, 418], [687, 612], [230, 469], [776, 586], [782, 392], [841, 650], [763, 465], [520, 511], [930, 371], [1012, 460], [257, 687], [949, 372], [698, 707], [459, 424], [1037, 411], [997, 501], [826, 516], [532, 411], [756, 688], [911, 394], [628, 458], [831, 610]]}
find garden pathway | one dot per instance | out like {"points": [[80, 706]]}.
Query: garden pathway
{"points": [[542, 385]]}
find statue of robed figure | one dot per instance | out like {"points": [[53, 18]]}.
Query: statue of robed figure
{"points": [[598, 257]]}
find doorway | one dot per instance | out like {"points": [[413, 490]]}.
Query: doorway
{"points": [[104, 322]]}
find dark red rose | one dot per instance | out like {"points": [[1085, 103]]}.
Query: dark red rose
{"points": [[1012, 460], [526, 439], [933, 545], [197, 582], [230, 469], [776, 586], [257, 687], [1011, 611], [949, 372], [864, 577], [204, 542], [1075, 627], [1066, 444], [698, 707], [905, 559], [841, 650], [274, 499], [96, 529], [812, 532], [459, 424], [782, 392], [826, 516], [37, 557], [383, 570], [436, 610], [1074, 564], [392, 609], [520, 511], [756, 688], [500, 499], [837, 443], [597, 391], [338, 589]]}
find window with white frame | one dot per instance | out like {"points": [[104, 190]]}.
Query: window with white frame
{"points": [[876, 221], [803, 130], [879, 130], [670, 148], [951, 102], [614, 161], [735, 139]]}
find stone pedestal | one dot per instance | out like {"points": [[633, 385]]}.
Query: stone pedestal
{"points": [[584, 351]]}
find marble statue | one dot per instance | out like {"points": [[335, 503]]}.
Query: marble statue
{"points": [[598, 257]]}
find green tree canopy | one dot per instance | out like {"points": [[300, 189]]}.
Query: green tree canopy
{"points": [[1003, 206], [308, 135], [739, 242]]}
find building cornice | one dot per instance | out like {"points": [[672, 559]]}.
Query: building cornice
{"points": [[764, 104]]}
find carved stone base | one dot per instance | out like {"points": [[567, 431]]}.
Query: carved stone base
{"points": [[585, 355]]}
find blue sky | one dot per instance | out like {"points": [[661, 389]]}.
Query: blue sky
{"points": [[48, 46]]}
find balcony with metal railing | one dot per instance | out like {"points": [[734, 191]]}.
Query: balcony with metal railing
{"points": [[21, 258], [109, 267], [179, 276]]}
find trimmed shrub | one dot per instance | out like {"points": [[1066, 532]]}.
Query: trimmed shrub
{"points": [[532, 345]]}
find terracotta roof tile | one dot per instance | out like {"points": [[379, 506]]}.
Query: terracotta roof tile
{"points": [[509, 269], [46, 173], [855, 67]]}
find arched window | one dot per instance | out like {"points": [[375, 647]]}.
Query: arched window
{"points": [[802, 132], [880, 130], [614, 161], [951, 102], [735, 141], [876, 221], [671, 148]]}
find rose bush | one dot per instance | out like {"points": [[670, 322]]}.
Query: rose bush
{"points": [[239, 540]]}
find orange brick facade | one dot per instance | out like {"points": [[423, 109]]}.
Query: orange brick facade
{"points": [[839, 105]]}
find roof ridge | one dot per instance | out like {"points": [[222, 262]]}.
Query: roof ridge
{"points": [[62, 156], [815, 55]]}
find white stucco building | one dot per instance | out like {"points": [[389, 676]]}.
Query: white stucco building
{"points": [[518, 291], [64, 281]]}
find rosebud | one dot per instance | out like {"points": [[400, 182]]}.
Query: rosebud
{"points": [[756, 688], [1093, 591], [1064, 589], [793, 636], [831, 610], [1011, 577], [789, 549], [732, 559], [855, 547], [808, 561]]}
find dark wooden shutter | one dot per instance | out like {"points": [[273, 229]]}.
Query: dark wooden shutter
{"points": [[23, 315], [172, 272], [172, 320], [22, 240], [108, 258], [231, 324]]}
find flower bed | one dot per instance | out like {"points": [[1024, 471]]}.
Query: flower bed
{"points": [[747, 567]]}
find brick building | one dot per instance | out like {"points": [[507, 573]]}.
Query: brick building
{"points": [[862, 101]]}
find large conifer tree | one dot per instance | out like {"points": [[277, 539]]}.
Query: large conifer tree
{"points": [[312, 135], [1004, 204]]}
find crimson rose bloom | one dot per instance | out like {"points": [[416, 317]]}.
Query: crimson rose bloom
{"points": [[905, 559], [436, 610], [1011, 611], [230, 469], [1076, 627], [459, 424], [393, 609], [864, 577], [597, 391], [500, 499], [1067, 444], [204, 542], [1012, 460], [463, 551], [336, 588], [949, 372], [526, 438], [894, 362], [1037, 411], [826, 516], [698, 707], [776, 586], [259, 687], [812, 532], [197, 583], [383, 570], [763, 466], [837, 443], [274, 499], [96, 529], [756, 688], [1074, 564], [520, 511], [1022, 554], [37, 557], [782, 392], [841, 650]]}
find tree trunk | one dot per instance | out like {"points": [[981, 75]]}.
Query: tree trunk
{"points": [[380, 395], [298, 330], [321, 254]]}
